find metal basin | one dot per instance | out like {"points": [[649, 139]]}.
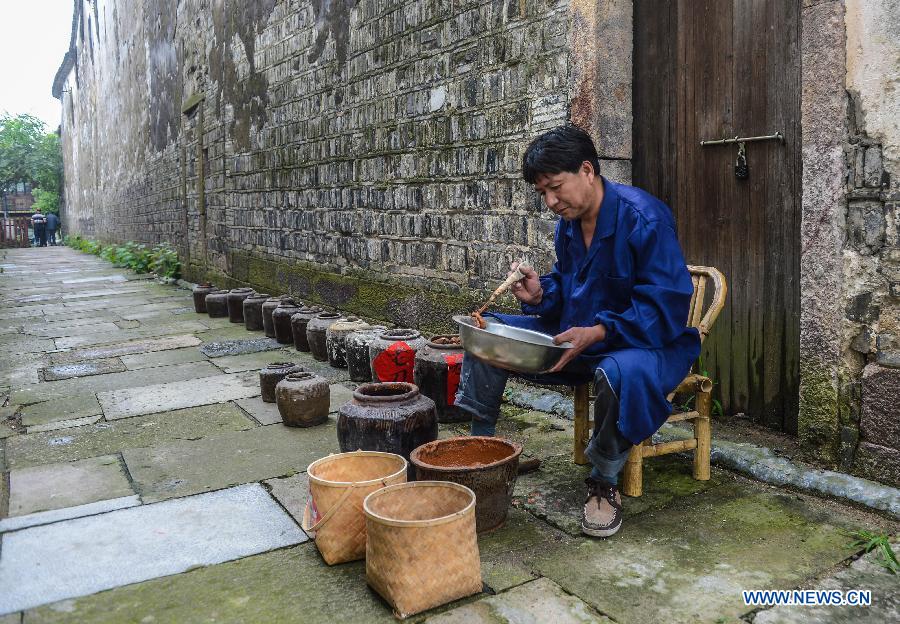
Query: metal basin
{"points": [[512, 348]]}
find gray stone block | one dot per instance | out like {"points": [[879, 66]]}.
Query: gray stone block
{"points": [[880, 418]]}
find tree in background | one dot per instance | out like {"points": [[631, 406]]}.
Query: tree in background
{"points": [[28, 153]]}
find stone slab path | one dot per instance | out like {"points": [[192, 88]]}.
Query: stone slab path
{"points": [[144, 480]]}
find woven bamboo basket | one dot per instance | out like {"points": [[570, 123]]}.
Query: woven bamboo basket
{"points": [[338, 484], [422, 551]]}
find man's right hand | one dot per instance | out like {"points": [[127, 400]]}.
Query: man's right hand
{"points": [[528, 289]]}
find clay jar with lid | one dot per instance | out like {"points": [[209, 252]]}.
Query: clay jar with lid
{"points": [[271, 375], [267, 308], [389, 417], [298, 326], [357, 344], [236, 303], [217, 304], [436, 373], [281, 319], [315, 333], [303, 399], [199, 293], [252, 305], [336, 339], [393, 355]]}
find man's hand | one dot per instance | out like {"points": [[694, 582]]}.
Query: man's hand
{"points": [[581, 338], [528, 289]]}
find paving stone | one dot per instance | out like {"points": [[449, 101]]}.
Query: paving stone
{"points": [[67, 513], [131, 545], [60, 330], [82, 369], [163, 397], [291, 492], [162, 358], [118, 277], [185, 468], [232, 333], [55, 486], [103, 338], [104, 438], [250, 361], [508, 553], [127, 348], [65, 424], [264, 413], [16, 343], [215, 349], [538, 601], [70, 408]]}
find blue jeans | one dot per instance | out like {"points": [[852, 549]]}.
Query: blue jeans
{"points": [[481, 389]]}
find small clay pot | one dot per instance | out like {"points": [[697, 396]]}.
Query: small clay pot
{"points": [[199, 293], [303, 400], [336, 339], [436, 373], [393, 355], [281, 319], [253, 304], [357, 344], [236, 303], [298, 326], [217, 304], [315, 333], [272, 374], [267, 308]]}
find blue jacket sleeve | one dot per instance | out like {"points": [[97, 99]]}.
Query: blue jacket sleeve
{"points": [[660, 297], [550, 306]]}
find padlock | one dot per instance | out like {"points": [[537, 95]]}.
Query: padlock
{"points": [[741, 170]]}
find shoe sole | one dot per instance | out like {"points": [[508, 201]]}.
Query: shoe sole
{"points": [[600, 532]]}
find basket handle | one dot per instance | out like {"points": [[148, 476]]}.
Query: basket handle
{"points": [[305, 524]]}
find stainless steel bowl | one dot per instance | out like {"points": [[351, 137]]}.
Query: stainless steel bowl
{"points": [[512, 348]]}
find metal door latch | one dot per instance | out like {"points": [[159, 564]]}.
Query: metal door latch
{"points": [[741, 169]]}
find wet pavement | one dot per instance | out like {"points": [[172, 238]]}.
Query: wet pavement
{"points": [[145, 481]]}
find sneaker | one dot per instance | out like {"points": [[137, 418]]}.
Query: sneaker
{"points": [[602, 509]]}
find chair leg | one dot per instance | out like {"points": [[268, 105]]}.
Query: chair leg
{"points": [[582, 427], [633, 475], [703, 435]]}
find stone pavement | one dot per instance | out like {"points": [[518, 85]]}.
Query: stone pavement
{"points": [[145, 481]]}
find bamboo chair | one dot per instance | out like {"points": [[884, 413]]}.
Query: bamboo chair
{"points": [[632, 481]]}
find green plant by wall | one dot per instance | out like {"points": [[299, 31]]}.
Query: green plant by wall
{"points": [[162, 259]]}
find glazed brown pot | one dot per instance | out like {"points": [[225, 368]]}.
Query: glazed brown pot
{"points": [[303, 400], [281, 320], [199, 293], [436, 372], [487, 466], [389, 417], [315, 333], [336, 339], [298, 326], [253, 304], [271, 375], [393, 355], [357, 344], [236, 303], [267, 308], [217, 304]]}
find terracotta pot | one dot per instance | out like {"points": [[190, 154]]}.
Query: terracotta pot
{"points": [[253, 304], [358, 364], [393, 355], [298, 326], [267, 308], [236, 303], [436, 372], [336, 339], [303, 399], [199, 293], [272, 374], [315, 333], [217, 304], [389, 417], [281, 319]]}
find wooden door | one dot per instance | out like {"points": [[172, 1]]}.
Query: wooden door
{"points": [[707, 69]]}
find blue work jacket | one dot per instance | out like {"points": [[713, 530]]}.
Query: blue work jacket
{"points": [[632, 279]]}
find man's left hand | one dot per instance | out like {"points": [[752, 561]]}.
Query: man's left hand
{"points": [[581, 338]]}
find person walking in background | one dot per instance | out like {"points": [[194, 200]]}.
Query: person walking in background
{"points": [[39, 222], [52, 227]]}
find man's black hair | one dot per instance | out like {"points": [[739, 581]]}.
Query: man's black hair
{"points": [[562, 149]]}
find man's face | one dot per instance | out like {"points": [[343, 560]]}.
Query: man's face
{"points": [[569, 195]]}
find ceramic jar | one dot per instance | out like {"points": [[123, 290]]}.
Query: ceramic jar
{"points": [[267, 308], [303, 399], [199, 293], [217, 304], [393, 354], [281, 319], [389, 417], [436, 373], [253, 304], [336, 339], [271, 375], [358, 364], [236, 303], [315, 333], [298, 326]]}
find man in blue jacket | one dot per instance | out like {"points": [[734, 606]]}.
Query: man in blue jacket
{"points": [[619, 293]]}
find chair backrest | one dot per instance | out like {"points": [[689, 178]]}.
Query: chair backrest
{"points": [[697, 317]]}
